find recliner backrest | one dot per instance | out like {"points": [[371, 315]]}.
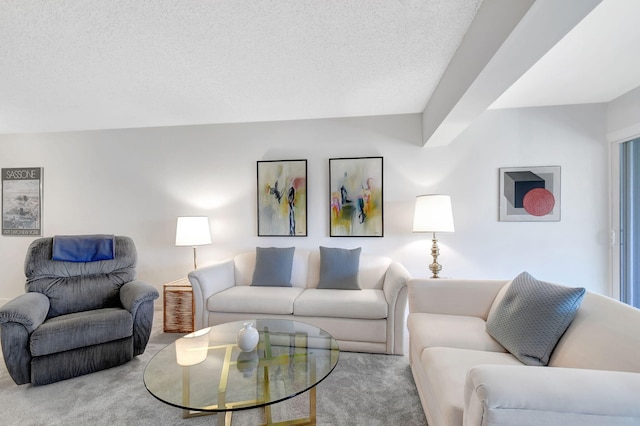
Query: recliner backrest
{"points": [[79, 286]]}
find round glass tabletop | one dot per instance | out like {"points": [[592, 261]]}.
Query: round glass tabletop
{"points": [[207, 371]]}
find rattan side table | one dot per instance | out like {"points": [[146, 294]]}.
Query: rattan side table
{"points": [[178, 307]]}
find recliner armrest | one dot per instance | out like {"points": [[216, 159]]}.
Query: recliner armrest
{"points": [[134, 293], [137, 297], [29, 309], [518, 395]]}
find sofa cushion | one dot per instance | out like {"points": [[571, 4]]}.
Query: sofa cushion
{"points": [[521, 395], [339, 268], [255, 300], [532, 317], [451, 331], [273, 267], [80, 329], [614, 325], [369, 304], [445, 372]]}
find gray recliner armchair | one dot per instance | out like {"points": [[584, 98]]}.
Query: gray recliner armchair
{"points": [[78, 316]]}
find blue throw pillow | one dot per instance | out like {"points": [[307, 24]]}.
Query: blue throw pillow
{"points": [[532, 317], [339, 268], [83, 248], [273, 267]]}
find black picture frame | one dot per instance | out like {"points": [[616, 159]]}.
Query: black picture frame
{"points": [[22, 201], [282, 198], [356, 197]]}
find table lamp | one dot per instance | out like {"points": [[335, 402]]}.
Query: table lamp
{"points": [[433, 214], [193, 231]]}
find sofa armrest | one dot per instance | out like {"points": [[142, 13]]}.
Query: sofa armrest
{"points": [[29, 309], [395, 291], [206, 282], [453, 297], [395, 278], [526, 395]]}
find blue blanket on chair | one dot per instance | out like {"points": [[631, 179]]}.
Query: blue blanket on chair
{"points": [[83, 248]]}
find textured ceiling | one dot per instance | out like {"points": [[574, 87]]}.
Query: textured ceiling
{"points": [[95, 64]]}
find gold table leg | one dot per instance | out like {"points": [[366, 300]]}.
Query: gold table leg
{"points": [[304, 421], [225, 418]]}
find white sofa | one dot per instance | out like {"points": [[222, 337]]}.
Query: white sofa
{"points": [[465, 377], [367, 320]]}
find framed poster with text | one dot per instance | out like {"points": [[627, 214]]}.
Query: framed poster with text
{"points": [[22, 201]]}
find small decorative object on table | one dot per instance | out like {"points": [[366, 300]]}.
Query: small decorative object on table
{"points": [[247, 337]]}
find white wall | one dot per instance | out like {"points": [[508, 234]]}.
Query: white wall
{"points": [[573, 251], [136, 182], [623, 117]]}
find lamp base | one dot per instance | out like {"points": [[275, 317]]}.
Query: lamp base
{"points": [[435, 267]]}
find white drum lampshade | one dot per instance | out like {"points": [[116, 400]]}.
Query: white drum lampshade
{"points": [[193, 231]]}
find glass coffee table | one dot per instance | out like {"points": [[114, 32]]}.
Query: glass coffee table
{"points": [[206, 373]]}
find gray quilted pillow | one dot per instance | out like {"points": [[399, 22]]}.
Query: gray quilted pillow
{"points": [[532, 317]]}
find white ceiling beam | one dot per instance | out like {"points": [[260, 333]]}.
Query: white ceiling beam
{"points": [[505, 39]]}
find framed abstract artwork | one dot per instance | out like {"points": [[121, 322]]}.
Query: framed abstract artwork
{"points": [[530, 194], [22, 201], [282, 198], [356, 203]]}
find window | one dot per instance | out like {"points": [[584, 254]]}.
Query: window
{"points": [[630, 222]]}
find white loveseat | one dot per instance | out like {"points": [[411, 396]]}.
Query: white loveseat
{"points": [[464, 376], [367, 320]]}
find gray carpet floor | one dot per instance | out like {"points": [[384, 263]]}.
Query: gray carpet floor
{"points": [[364, 389]]}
